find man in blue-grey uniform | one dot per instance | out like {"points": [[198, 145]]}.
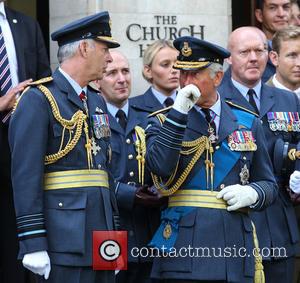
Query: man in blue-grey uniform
{"points": [[278, 111], [211, 160], [137, 200], [59, 139]]}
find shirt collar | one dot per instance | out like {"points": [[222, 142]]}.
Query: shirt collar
{"points": [[2, 10], [244, 90], [281, 86], [113, 109], [78, 89], [216, 108], [161, 97]]}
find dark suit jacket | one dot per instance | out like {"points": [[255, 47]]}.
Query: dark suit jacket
{"points": [[33, 63], [277, 225]]}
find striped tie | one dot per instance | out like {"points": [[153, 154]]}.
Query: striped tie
{"points": [[5, 77]]}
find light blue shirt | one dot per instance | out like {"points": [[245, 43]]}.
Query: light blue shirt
{"points": [[216, 109], [113, 109], [73, 83], [161, 97], [244, 90]]}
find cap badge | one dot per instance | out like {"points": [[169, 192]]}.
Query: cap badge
{"points": [[186, 50]]}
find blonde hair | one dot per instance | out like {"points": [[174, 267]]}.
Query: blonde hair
{"points": [[151, 52]]}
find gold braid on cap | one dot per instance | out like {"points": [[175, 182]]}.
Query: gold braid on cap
{"points": [[78, 121]]}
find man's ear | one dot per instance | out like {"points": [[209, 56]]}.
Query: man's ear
{"points": [[258, 15], [273, 55], [218, 78], [228, 60], [83, 46]]}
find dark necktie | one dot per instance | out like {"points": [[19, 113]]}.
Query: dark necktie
{"points": [[169, 102], [122, 118], [5, 76], [251, 93], [209, 119]]}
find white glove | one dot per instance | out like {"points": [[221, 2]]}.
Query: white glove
{"points": [[238, 196], [186, 98], [38, 263], [295, 182]]}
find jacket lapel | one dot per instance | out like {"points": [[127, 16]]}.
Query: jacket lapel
{"points": [[15, 25], [65, 87], [197, 122], [228, 122], [133, 120], [266, 101]]}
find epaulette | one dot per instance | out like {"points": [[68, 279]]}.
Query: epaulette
{"points": [[241, 107], [41, 81], [159, 111]]}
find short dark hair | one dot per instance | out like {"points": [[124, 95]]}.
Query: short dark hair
{"points": [[259, 4], [289, 33]]}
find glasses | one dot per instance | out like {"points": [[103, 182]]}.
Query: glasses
{"points": [[258, 52]]}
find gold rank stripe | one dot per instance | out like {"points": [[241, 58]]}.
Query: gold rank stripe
{"points": [[187, 64], [75, 179], [193, 198]]}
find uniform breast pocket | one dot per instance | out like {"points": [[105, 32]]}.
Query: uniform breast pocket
{"points": [[65, 214], [60, 140]]}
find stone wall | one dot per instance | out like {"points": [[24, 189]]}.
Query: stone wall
{"points": [[137, 23]]}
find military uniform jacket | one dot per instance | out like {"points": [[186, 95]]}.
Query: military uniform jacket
{"points": [[59, 221], [146, 102], [277, 225], [206, 227], [140, 222]]}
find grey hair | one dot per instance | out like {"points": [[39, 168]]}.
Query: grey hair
{"points": [[214, 68], [68, 50]]}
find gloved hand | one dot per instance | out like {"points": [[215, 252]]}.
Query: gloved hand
{"points": [[186, 98], [38, 263], [149, 196], [295, 182], [238, 196]]}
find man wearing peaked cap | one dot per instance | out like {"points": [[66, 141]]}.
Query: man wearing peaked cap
{"points": [[62, 189], [211, 160]]}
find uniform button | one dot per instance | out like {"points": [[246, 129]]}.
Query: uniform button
{"points": [[261, 121], [244, 158], [128, 141], [217, 147], [222, 186], [131, 174], [99, 166], [130, 156], [131, 233], [60, 204]]}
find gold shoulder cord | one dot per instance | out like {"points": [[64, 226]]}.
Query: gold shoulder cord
{"points": [[197, 147], [140, 146], [77, 121]]}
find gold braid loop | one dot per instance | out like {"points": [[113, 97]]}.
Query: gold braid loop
{"points": [[140, 145], [77, 121], [197, 147]]}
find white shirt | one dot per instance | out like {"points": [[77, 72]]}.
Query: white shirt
{"points": [[280, 85], [10, 46]]}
